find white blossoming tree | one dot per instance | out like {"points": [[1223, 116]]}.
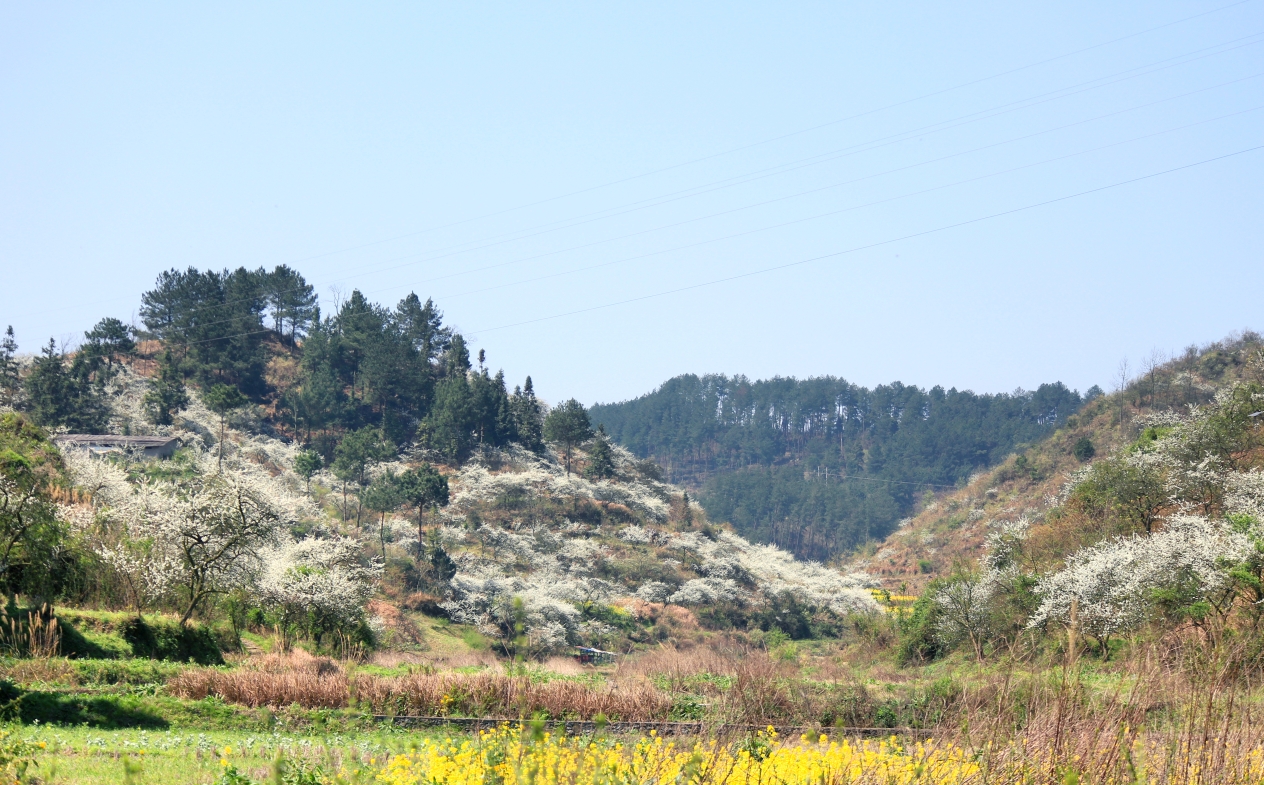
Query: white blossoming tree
{"points": [[1118, 584], [317, 584]]}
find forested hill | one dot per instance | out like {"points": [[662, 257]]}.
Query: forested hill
{"points": [[820, 465]]}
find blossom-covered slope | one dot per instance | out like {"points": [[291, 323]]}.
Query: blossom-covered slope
{"points": [[538, 552], [520, 527], [950, 532]]}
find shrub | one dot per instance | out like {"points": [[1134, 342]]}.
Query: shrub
{"points": [[920, 641], [163, 639], [1083, 449]]}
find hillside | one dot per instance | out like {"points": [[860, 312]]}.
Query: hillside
{"points": [[819, 466], [950, 532]]}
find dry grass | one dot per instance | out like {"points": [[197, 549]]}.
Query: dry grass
{"points": [[317, 682], [269, 680], [498, 695]]}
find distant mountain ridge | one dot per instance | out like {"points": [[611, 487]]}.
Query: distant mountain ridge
{"points": [[821, 465]]}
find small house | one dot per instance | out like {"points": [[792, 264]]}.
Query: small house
{"points": [[100, 444]]}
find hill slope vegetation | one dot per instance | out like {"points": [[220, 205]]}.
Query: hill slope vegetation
{"points": [[819, 466]]}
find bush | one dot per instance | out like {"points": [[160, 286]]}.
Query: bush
{"points": [[162, 639], [919, 634], [1083, 449]]}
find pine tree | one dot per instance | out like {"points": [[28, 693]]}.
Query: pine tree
{"points": [[10, 378], [441, 564], [307, 464], [292, 301], [568, 425], [222, 399], [354, 455], [109, 340], [423, 487], [600, 457], [528, 422], [62, 397], [166, 395], [384, 494]]}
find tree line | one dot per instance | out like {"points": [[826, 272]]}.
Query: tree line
{"points": [[252, 336], [820, 465]]}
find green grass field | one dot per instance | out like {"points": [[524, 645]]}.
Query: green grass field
{"points": [[88, 756]]}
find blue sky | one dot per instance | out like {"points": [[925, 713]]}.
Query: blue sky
{"points": [[519, 164]]}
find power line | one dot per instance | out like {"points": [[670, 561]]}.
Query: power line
{"points": [[858, 148], [870, 245], [855, 149], [780, 137], [848, 209], [809, 260]]}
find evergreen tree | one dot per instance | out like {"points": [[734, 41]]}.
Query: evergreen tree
{"points": [[66, 398], [528, 420], [30, 533], [450, 425], [441, 564], [215, 321], [222, 399], [453, 419], [354, 455], [10, 378], [423, 326], [292, 301], [384, 494], [109, 341], [568, 425], [166, 394], [600, 457], [423, 487], [306, 464]]}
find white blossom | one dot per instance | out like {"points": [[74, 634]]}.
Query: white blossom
{"points": [[1113, 581], [323, 577]]}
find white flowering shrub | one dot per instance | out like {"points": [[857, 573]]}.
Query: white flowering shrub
{"points": [[549, 618], [964, 610], [1244, 495], [319, 583], [1115, 584], [706, 591], [654, 591], [636, 534]]}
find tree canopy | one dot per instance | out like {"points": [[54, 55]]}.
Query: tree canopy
{"points": [[819, 465]]}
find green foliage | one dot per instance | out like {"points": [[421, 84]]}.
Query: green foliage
{"points": [[787, 615], [398, 371], [224, 398], [811, 518], [423, 487], [30, 534], [167, 394], [919, 630], [10, 377], [358, 451], [569, 426], [1126, 486], [214, 320], [109, 341], [441, 565], [71, 398], [528, 419], [600, 457], [820, 465], [291, 301], [1083, 450], [306, 464], [164, 639]]}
